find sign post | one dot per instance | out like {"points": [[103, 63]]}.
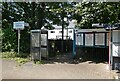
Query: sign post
{"points": [[18, 41], [19, 26]]}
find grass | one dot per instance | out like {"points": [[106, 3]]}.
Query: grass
{"points": [[38, 62], [21, 58]]}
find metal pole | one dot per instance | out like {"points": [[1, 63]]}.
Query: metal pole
{"points": [[62, 34], [111, 55], [40, 44], [18, 41], [67, 41], [110, 50]]}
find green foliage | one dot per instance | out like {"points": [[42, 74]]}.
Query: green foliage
{"points": [[39, 62], [62, 10], [9, 39], [1, 33], [91, 12], [8, 54], [13, 54], [23, 55], [21, 58]]}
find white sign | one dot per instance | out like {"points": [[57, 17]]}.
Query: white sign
{"points": [[18, 25]]}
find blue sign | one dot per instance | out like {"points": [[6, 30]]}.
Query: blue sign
{"points": [[18, 25]]}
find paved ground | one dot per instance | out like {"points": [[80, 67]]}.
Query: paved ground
{"points": [[84, 70], [119, 75], [0, 69]]}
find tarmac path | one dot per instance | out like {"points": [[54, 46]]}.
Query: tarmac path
{"points": [[85, 70]]}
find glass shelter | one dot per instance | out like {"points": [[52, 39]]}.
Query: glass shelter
{"points": [[39, 46]]}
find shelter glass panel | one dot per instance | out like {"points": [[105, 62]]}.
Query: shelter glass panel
{"points": [[116, 35], [79, 39], [88, 39], [35, 39], [44, 39], [107, 39], [99, 38]]}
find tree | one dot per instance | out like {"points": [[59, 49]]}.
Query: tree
{"points": [[94, 12], [17, 11], [36, 14], [62, 11]]}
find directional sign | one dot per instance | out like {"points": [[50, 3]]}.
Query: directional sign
{"points": [[18, 25]]}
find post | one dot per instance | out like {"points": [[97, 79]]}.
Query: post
{"points": [[110, 54], [109, 49], [67, 41], [74, 39], [62, 35], [18, 41]]}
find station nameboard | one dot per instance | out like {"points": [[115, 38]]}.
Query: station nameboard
{"points": [[18, 25]]}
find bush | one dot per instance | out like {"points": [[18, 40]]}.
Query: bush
{"points": [[23, 55], [21, 60], [8, 54], [14, 56], [39, 62], [9, 39]]}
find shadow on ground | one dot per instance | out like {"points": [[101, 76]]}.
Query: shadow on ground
{"points": [[68, 59]]}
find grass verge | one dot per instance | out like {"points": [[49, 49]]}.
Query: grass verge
{"points": [[21, 58]]}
